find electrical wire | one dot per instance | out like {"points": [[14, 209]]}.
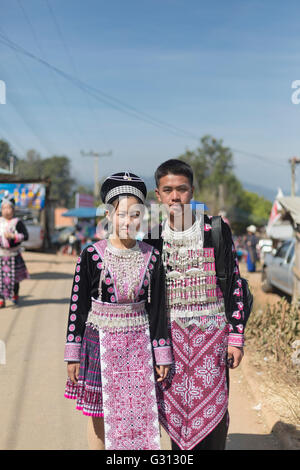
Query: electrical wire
{"points": [[104, 98], [119, 105], [70, 58], [73, 123]]}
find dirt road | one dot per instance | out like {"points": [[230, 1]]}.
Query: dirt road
{"points": [[34, 413]]}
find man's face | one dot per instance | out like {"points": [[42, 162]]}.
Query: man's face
{"points": [[174, 191]]}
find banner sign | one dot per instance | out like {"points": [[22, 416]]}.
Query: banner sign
{"points": [[26, 195], [84, 200]]}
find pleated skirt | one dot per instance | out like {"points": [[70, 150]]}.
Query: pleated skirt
{"points": [[88, 390]]}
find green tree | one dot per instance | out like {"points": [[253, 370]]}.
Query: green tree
{"points": [[260, 208], [58, 169], [31, 166], [217, 185], [214, 179], [5, 154]]}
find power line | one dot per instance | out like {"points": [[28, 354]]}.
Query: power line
{"points": [[107, 99], [26, 118], [120, 105], [54, 77], [68, 54], [59, 32], [258, 157]]}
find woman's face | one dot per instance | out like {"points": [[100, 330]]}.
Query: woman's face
{"points": [[126, 217], [7, 210]]}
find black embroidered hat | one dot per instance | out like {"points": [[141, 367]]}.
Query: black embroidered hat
{"points": [[123, 183]]}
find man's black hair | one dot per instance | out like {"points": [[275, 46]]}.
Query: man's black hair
{"points": [[173, 167]]}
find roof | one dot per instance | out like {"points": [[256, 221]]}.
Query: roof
{"points": [[292, 205], [4, 171], [280, 231]]}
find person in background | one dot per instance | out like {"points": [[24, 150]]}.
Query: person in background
{"points": [[12, 266], [251, 242]]}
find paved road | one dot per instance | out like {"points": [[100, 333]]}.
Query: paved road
{"points": [[34, 413]]}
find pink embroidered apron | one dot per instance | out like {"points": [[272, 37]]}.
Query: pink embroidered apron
{"points": [[127, 374]]}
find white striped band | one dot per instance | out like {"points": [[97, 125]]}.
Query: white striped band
{"points": [[124, 189]]}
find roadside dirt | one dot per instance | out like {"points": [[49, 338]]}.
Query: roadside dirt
{"points": [[275, 388]]}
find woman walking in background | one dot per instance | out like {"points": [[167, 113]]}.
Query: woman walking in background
{"points": [[12, 266]]}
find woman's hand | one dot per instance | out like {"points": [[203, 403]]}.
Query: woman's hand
{"points": [[9, 235], [162, 372], [73, 371]]}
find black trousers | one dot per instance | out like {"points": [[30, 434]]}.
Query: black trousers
{"points": [[216, 440]]}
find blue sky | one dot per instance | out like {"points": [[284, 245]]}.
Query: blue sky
{"points": [[219, 68]]}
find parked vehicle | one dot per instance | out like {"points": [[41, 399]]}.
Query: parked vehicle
{"points": [[35, 230], [60, 237], [264, 246], [277, 270]]}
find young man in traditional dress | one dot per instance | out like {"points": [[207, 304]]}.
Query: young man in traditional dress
{"points": [[206, 328]]}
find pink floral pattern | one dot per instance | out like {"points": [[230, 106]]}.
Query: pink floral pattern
{"points": [[194, 398], [128, 390]]}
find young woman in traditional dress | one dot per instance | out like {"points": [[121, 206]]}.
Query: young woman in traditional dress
{"points": [[117, 320], [12, 266]]}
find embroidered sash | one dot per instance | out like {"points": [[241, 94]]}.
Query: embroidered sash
{"points": [[194, 397]]}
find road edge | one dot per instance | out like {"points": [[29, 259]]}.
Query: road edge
{"points": [[284, 432]]}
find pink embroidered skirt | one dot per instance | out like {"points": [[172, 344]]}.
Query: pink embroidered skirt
{"points": [[88, 390], [12, 270], [122, 389]]}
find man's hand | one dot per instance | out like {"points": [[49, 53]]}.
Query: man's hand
{"points": [[162, 372], [234, 356], [73, 371]]}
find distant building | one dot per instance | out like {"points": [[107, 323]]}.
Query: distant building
{"points": [[291, 212], [3, 171]]}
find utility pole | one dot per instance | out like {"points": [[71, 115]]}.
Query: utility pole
{"points": [[293, 161], [96, 167], [11, 163]]}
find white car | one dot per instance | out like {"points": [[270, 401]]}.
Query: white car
{"points": [[35, 231], [264, 246], [277, 270], [35, 237]]}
